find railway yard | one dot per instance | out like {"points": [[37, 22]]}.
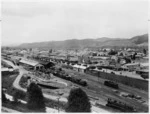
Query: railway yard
{"points": [[100, 94]]}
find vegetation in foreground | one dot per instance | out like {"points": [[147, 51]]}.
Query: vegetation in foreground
{"points": [[35, 99], [78, 101]]}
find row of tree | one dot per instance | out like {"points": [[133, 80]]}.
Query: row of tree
{"points": [[78, 101]]}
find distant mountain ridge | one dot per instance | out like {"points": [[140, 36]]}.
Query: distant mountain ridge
{"points": [[141, 40]]}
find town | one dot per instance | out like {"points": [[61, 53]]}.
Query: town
{"points": [[115, 80], [74, 56]]}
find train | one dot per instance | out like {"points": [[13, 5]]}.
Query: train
{"points": [[111, 84], [120, 106]]}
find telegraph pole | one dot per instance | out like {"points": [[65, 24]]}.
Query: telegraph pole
{"points": [[60, 94]]}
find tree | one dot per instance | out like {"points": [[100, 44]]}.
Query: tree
{"points": [[128, 60], [104, 50], [50, 51], [134, 56], [35, 99], [78, 101], [144, 51], [118, 60], [121, 54], [112, 52]]}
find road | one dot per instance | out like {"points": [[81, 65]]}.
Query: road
{"points": [[62, 99]]}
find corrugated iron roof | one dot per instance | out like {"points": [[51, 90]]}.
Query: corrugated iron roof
{"points": [[29, 62]]}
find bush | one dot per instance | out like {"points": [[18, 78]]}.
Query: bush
{"points": [[78, 101]]}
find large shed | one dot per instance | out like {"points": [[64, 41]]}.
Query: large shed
{"points": [[31, 64]]}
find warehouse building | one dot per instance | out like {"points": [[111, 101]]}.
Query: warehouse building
{"points": [[29, 64]]}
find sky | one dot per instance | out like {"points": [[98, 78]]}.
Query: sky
{"points": [[41, 20]]}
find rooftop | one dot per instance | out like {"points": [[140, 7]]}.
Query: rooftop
{"points": [[29, 62]]}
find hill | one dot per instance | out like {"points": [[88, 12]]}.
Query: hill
{"points": [[140, 40]]}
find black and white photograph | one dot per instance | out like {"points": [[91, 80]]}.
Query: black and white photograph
{"points": [[74, 56]]}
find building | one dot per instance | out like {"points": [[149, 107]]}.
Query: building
{"points": [[143, 73], [47, 64], [144, 65], [132, 66], [73, 59], [114, 58], [79, 68], [101, 60], [122, 61], [139, 55], [102, 53], [29, 64]]}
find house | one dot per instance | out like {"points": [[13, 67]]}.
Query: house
{"points": [[84, 59], [101, 60], [124, 53], [132, 66], [47, 64], [102, 53], [114, 58], [23, 52], [79, 68], [144, 65], [6, 71], [122, 61], [73, 59], [29, 64], [60, 57], [139, 55], [107, 49]]}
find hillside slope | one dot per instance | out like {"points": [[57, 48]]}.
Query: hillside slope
{"points": [[141, 40]]}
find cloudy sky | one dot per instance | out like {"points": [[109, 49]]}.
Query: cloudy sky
{"points": [[40, 20]]}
